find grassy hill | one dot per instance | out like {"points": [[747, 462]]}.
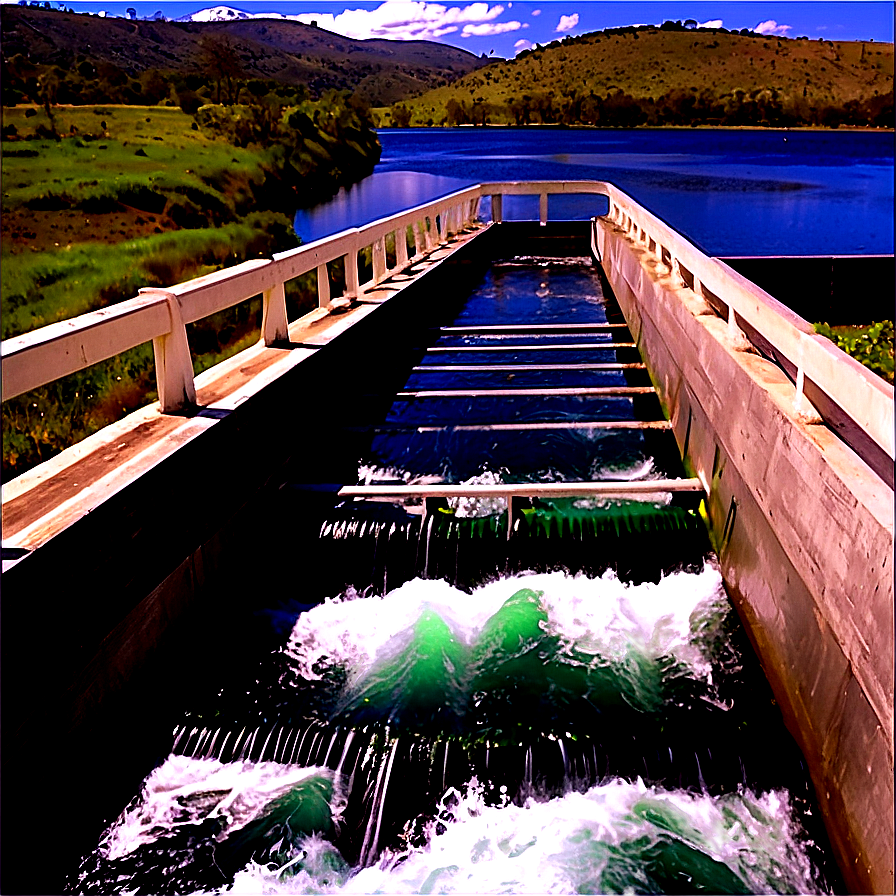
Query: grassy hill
{"points": [[649, 63], [73, 44]]}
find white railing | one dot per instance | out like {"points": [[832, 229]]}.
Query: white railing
{"points": [[161, 315], [861, 394]]}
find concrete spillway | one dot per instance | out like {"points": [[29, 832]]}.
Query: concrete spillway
{"points": [[120, 537]]}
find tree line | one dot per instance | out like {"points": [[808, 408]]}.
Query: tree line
{"points": [[220, 78], [762, 107]]}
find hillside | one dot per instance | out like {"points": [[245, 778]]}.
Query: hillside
{"points": [[380, 71], [646, 64]]}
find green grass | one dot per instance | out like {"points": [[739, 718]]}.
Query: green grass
{"points": [[132, 197], [46, 287]]}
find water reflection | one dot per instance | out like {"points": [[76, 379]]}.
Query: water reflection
{"points": [[383, 193]]}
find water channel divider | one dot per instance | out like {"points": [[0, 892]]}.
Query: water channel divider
{"points": [[510, 492], [567, 391], [516, 368]]}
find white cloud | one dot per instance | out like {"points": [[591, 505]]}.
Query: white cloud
{"points": [[536, 12], [772, 27], [567, 23], [406, 20], [488, 29], [712, 23]]}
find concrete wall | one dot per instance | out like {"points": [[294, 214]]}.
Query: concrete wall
{"points": [[804, 532]]}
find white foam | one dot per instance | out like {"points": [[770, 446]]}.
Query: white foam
{"points": [[548, 847], [184, 791], [597, 615], [562, 845]]}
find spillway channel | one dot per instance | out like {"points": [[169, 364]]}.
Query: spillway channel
{"points": [[458, 695]]}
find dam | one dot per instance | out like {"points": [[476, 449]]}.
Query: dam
{"points": [[686, 388]]}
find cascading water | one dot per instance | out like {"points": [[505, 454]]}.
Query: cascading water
{"points": [[572, 709]]}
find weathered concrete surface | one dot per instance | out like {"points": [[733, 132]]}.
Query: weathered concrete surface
{"points": [[804, 532]]}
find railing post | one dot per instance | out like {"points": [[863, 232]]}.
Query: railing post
{"points": [[428, 227], [734, 331], [351, 273], [323, 286], [804, 409], [174, 366], [379, 260], [543, 209], [274, 325], [497, 208], [419, 237], [401, 248]]}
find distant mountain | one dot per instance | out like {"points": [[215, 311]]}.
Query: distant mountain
{"points": [[219, 14], [380, 71]]}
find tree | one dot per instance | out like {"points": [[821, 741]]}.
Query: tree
{"points": [[457, 113], [401, 116], [219, 56], [47, 85]]}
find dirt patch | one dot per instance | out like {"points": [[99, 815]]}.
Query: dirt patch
{"points": [[24, 230]]}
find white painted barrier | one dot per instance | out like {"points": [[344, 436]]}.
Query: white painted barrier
{"points": [[160, 315]]}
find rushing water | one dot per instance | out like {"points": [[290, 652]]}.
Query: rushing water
{"points": [[445, 710], [732, 192]]}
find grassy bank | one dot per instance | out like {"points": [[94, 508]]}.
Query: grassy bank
{"points": [[101, 201]]}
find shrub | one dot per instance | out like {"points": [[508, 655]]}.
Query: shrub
{"points": [[871, 345]]}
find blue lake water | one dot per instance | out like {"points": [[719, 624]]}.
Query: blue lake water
{"points": [[731, 192]]}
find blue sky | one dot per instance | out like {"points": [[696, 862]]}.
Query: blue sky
{"points": [[507, 27]]}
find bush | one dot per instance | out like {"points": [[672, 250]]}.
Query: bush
{"points": [[871, 345]]}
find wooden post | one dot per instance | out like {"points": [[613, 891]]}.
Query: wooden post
{"points": [[351, 274], [274, 325], [323, 286], [543, 209], [379, 260], [174, 366], [497, 208], [419, 237], [401, 248]]}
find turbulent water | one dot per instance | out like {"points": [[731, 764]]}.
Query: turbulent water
{"points": [[511, 705], [451, 707]]}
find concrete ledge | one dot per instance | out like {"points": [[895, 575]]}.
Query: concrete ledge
{"points": [[804, 532]]}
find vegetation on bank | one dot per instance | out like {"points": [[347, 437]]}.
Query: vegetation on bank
{"points": [[872, 345], [101, 201], [643, 75]]}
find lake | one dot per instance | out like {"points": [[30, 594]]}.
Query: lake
{"points": [[732, 192]]}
